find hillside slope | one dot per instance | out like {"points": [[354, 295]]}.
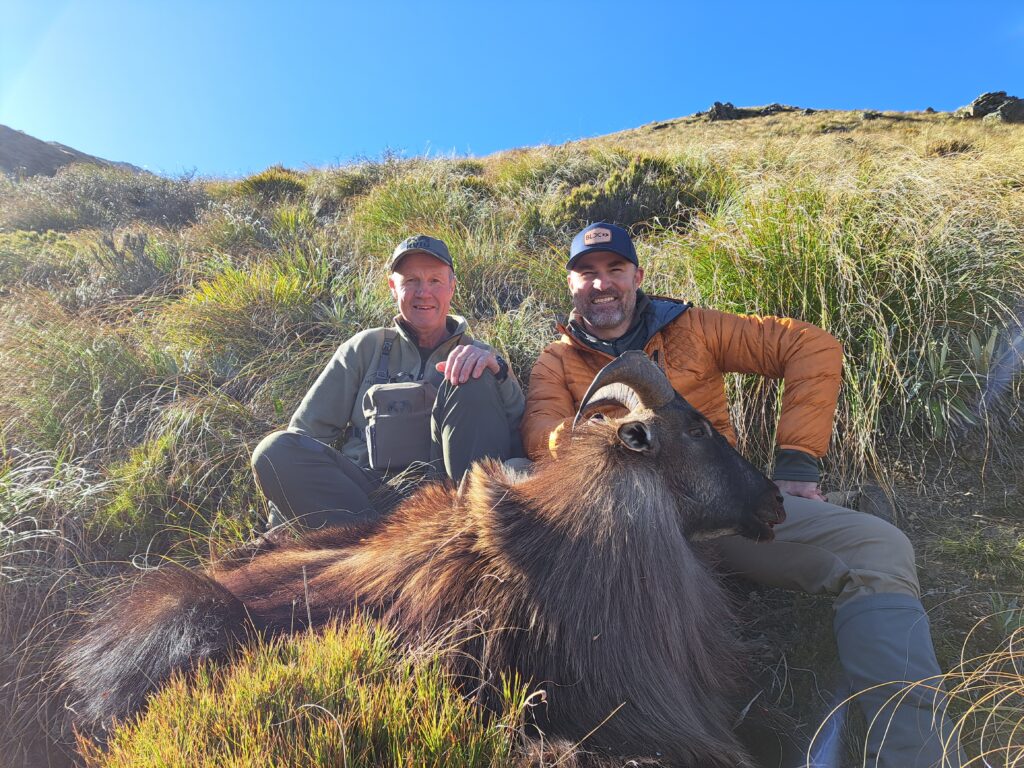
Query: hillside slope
{"points": [[24, 155], [153, 330]]}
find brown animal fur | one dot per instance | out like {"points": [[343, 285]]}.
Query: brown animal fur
{"points": [[579, 577]]}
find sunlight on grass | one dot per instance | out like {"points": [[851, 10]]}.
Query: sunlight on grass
{"points": [[153, 330], [341, 697]]}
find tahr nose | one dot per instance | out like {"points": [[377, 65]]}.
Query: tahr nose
{"points": [[772, 503]]}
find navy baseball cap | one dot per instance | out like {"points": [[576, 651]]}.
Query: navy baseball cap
{"points": [[602, 236], [421, 244]]}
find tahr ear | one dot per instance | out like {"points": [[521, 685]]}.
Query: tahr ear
{"points": [[637, 436]]}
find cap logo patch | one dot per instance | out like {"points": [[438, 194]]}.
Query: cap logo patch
{"points": [[597, 235]]}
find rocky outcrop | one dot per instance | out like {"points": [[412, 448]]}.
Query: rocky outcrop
{"points": [[727, 111], [994, 106], [24, 155]]}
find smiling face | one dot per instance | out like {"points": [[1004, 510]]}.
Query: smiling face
{"points": [[603, 287], [423, 288]]}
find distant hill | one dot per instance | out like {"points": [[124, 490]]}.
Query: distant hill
{"points": [[24, 155]]}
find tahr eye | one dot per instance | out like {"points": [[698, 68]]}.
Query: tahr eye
{"points": [[698, 431], [598, 416]]}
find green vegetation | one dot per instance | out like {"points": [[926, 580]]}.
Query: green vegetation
{"points": [[82, 196], [986, 551], [275, 184], [342, 697], [153, 330]]}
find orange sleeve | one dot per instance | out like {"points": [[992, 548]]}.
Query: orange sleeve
{"points": [[549, 406], [807, 359]]}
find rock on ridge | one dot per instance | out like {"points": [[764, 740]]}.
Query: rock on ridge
{"points": [[995, 105], [727, 111]]}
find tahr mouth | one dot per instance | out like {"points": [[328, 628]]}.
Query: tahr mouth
{"points": [[761, 525]]}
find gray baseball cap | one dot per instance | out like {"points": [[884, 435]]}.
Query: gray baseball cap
{"points": [[421, 244]]}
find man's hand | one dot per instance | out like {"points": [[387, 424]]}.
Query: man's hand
{"points": [[806, 490], [467, 360]]}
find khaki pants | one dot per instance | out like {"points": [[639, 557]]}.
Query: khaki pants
{"points": [[825, 549]]}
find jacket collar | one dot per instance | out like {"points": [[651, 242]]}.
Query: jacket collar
{"points": [[456, 326], [656, 311]]}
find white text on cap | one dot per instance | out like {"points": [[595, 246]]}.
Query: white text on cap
{"points": [[598, 235]]}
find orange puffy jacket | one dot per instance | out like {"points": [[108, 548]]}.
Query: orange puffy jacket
{"points": [[696, 349]]}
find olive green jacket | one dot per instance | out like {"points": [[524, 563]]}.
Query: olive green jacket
{"points": [[333, 406]]}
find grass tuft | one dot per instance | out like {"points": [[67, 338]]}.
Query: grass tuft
{"points": [[340, 697], [166, 325], [83, 196], [275, 184]]}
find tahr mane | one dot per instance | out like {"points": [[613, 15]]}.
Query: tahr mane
{"points": [[578, 577]]}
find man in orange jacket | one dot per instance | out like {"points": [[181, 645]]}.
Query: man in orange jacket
{"points": [[880, 625]]}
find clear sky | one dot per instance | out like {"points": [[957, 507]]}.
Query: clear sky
{"points": [[227, 88]]}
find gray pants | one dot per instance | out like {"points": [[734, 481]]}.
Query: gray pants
{"points": [[825, 549], [313, 483], [881, 628]]}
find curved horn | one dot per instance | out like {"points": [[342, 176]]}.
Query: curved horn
{"points": [[643, 378]]}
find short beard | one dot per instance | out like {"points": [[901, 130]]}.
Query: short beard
{"points": [[603, 318]]}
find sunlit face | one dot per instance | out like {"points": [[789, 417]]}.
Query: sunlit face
{"points": [[423, 288], [603, 287]]}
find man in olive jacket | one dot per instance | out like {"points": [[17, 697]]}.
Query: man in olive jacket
{"points": [[475, 414], [880, 625]]}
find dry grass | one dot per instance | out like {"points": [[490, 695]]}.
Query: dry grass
{"points": [[151, 345]]}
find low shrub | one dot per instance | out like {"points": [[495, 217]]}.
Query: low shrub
{"points": [[226, 228], [648, 190], [82, 196]]}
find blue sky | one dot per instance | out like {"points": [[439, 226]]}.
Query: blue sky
{"points": [[227, 88]]}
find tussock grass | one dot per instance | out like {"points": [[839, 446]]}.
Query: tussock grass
{"points": [[31, 258], [648, 191], [168, 325], [922, 291], [228, 230], [89, 268], [277, 183], [69, 384], [234, 317], [186, 486], [342, 697], [334, 189], [44, 502], [425, 198], [82, 196]]}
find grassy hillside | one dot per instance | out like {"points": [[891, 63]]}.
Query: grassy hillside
{"points": [[153, 330]]}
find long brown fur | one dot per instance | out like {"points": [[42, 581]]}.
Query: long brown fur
{"points": [[579, 577]]}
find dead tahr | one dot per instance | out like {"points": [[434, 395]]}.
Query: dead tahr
{"points": [[579, 576]]}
